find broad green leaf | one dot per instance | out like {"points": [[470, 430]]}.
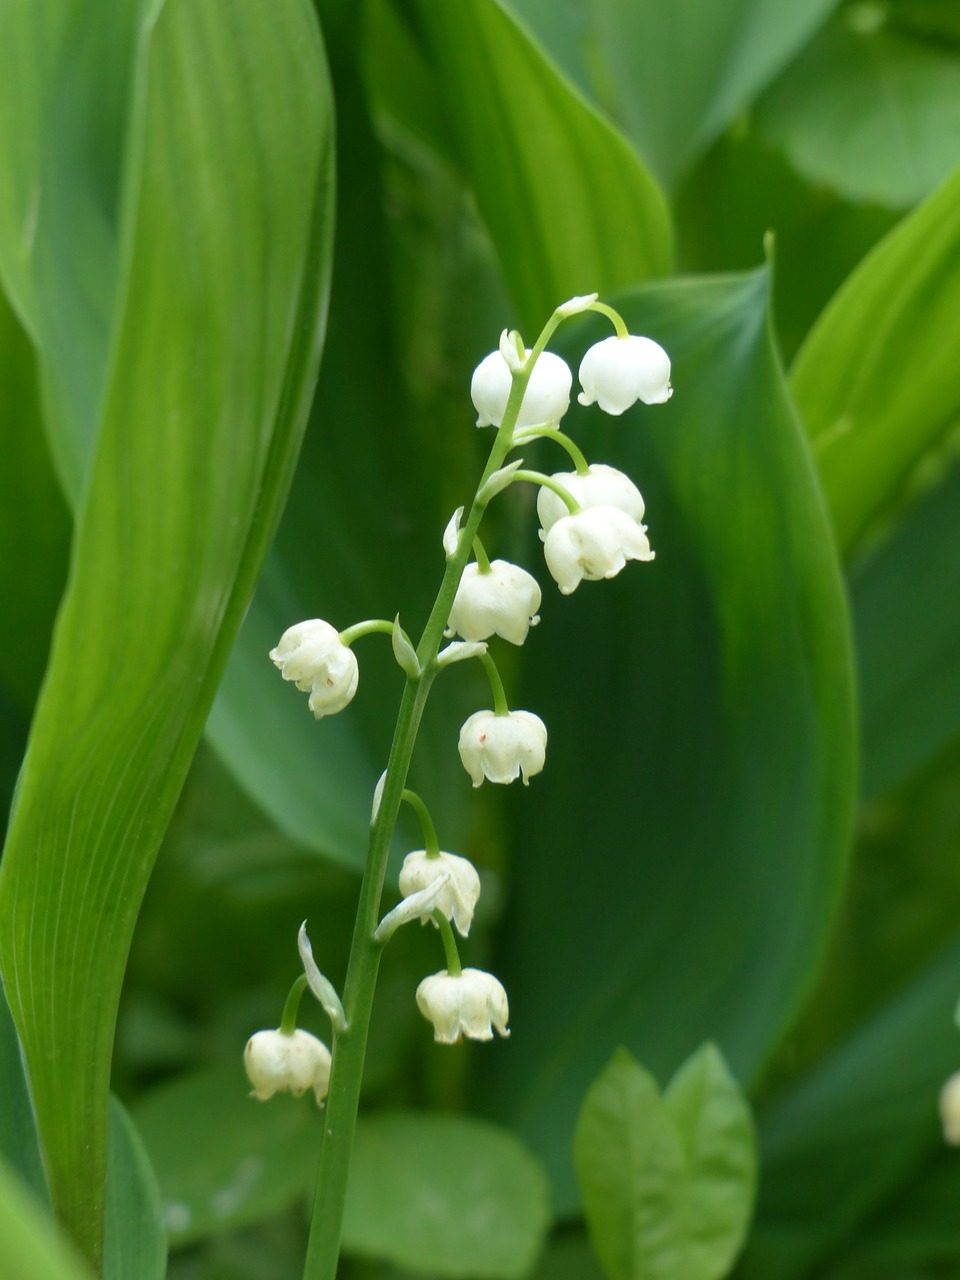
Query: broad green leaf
{"points": [[906, 608], [135, 1238], [65, 90], [673, 75], [716, 1128], [876, 381], [677, 865], [225, 229], [851, 1132], [34, 527], [444, 1195], [898, 98], [30, 1247], [568, 204], [222, 1158], [630, 1163]]}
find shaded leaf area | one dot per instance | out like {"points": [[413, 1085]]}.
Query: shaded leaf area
{"points": [[667, 1181], [215, 347], [66, 74], [18, 1132], [673, 76], [135, 1234], [539, 159], [444, 1195], [705, 722], [439, 1194], [34, 524], [30, 1246], [856, 1129], [906, 606], [875, 380], [742, 190], [897, 96]]}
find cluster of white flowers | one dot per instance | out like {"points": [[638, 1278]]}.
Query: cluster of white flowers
{"points": [[591, 525]]}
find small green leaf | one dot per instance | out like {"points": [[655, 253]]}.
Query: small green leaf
{"points": [[568, 203], [898, 98], [631, 1165], [444, 1195], [715, 1125], [876, 380], [135, 1238], [31, 1247], [223, 1160]]}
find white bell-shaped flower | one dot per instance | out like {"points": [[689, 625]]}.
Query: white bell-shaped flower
{"points": [[470, 1005], [602, 486], [502, 748], [594, 543], [501, 602], [546, 399], [458, 897], [313, 656], [950, 1110], [276, 1062], [618, 372]]}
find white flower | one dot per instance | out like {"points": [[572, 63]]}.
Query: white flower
{"points": [[458, 897], [618, 372], [592, 544], [950, 1110], [502, 748], [502, 602], [546, 399], [313, 656], [276, 1062], [602, 486], [470, 1005]]}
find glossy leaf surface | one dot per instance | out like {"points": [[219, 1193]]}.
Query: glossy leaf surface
{"points": [[876, 381], [721, 759]]}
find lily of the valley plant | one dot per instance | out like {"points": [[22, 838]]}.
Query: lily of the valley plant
{"points": [[591, 526]]}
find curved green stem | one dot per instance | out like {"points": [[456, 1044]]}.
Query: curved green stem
{"points": [[615, 316], [288, 1023], [548, 482], [483, 560], [431, 844], [551, 433], [350, 634], [500, 705], [449, 944]]}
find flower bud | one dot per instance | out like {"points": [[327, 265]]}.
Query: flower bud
{"points": [[618, 372], [602, 486], [502, 748], [471, 1004], [313, 656], [276, 1062], [546, 399], [458, 897], [592, 544], [950, 1110], [502, 602]]}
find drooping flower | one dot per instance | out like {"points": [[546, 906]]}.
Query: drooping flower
{"points": [[503, 602], [470, 1004], [602, 486], [618, 372], [592, 544], [458, 897], [546, 399], [501, 748], [313, 656], [277, 1062]]}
